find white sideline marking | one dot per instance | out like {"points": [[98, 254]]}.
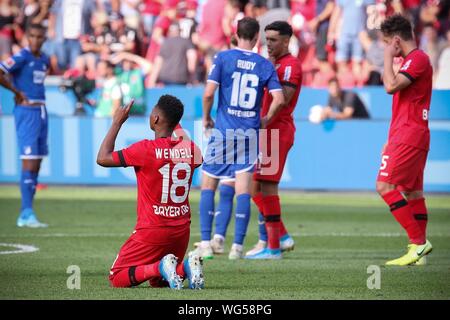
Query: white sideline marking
{"points": [[108, 235], [22, 248]]}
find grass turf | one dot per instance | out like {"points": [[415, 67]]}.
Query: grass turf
{"points": [[337, 237]]}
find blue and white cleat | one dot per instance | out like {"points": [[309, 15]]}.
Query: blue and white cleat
{"points": [[28, 219], [260, 246], [193, 267], [168, 270], [287, 243], [266, 254]]}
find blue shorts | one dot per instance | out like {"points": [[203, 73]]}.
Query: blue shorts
{"points": [[349, 47], [32, 131], [225, 157]]}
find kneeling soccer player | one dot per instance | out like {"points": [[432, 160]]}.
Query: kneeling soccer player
{"points": [[164, 168]]}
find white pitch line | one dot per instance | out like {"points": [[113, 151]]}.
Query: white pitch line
{"points": [[22, 248], [109, 235]]}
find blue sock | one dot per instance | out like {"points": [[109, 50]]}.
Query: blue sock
{"points": [[225, 208], [262, 227], [242, 217], [206, 213], [28, 181]]}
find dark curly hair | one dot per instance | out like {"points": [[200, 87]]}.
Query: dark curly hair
{"points": [[283, 28], [397, 25], [172, 109]]}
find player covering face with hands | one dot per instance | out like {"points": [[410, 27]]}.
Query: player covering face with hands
{"points": [[164, 167], [405, 153]]}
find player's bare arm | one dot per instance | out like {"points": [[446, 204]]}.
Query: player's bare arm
{"points": [[288, 92], [393, 82], [19, 96], [277, 104], [208, 100], [104, 156]]}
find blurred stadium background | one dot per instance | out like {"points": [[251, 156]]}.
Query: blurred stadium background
{"points": [[131, 34], [330, 156]]}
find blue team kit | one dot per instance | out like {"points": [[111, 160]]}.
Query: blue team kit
{"points": [[31, 122], [241, 76]]}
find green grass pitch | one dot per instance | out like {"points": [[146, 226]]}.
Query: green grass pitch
{"points": [[338, 235]]}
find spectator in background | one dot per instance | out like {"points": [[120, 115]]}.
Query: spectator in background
{"points": [[8, 14], [94, 44], [150, 12], [69, 19], [372, 68], [347, 21], [266, 16], [210, 27], [319, 26], [161, 27], [211, 35], [129, 8], [429, 44], [343, 104], [111, 94], [123, 38], [188, 23], [442, 80], [232, 14], [176, 61], [429, 12], [131, 78]]}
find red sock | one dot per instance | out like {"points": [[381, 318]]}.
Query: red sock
{"points": [[272, 212], [402, 212], [134, 276], [258, 200], [283, 230], [420, 212]]}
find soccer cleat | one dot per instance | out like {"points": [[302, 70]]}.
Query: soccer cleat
{"points": [[193, 267], [287, 243], [421, 262], [28, 219], [33, 222], [168, 270], [266, 254], [259, 246], [217, 244], [415, 252], [203, 251], [235, 252]]}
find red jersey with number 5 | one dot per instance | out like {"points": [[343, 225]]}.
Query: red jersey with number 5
{"points": [[411, 106], [164, 169], [289, 70]]}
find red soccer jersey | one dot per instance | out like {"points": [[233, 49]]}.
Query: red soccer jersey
{"points": [[410, 106], [164, 169], [289, 70]]}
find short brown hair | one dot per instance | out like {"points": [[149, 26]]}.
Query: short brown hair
{"points": [[397, 25], [247, 28]]}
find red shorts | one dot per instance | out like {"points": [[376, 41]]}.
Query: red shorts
{"points": [[273, 158], [403, 165], [146, 246]]}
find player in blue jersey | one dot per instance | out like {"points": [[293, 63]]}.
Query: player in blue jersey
{"points": [[241, 76], [28, 69]]}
